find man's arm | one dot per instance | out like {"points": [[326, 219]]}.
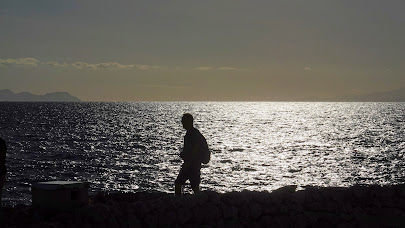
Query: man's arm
{"points": [[185, 153]]}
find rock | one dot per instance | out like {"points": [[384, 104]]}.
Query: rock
{"points": [[358, 210], [311, 218], [269, 210], [210, 212], [172, 217], [244, 212], [160, 205], [284, 210], [101, 209], [314, 206], [284, 221], [190, 225], [276, 200], [62, 217], [372, 206], [248, 195], [233, 223], [233, 198], [255, 224], [141, 208], [98, 198], [166, 219], [188, 201], [213, 197], [391, 211], [260, 197], [75, 221], [137, 209], [284, 190], [255, 210], [266, 220], [183, 215], [323, 222], [207, 226], [170, 203], [345, 224], [20, 215], [294, 209], [133, 222], [359, 193], [400, 190], [116, 210], [201, 198], [126, 210], [400, 204], [163, 220], [198, 215], [312, 194], [331, 206], [88, 213], [336, 194], [112, 222], [298, 221], [151, 221], [229, 212], [300, 196]]}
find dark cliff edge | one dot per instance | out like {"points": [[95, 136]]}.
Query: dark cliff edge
{"points": [[8, 95], [357, 206]]}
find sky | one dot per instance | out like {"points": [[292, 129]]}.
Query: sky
{"points": [[182, 50]]}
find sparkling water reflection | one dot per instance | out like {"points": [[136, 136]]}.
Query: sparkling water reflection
{"points": [[256, 146]]}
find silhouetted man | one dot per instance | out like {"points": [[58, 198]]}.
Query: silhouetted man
{"points": [[190, 170]]}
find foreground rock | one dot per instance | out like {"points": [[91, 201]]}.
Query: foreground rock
{"points": [[357, 206]]}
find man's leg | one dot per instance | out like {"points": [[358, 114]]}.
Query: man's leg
{"points": [[195, 180], [177, 189], [196, 188], [180, 180]]}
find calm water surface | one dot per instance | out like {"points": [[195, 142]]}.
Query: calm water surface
{"points": [[258, 146]]}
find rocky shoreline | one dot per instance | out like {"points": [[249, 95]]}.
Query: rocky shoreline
{"points": [[357, 206]]}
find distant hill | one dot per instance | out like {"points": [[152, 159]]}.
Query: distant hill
{"points": [[386, 96], [8, 95]]}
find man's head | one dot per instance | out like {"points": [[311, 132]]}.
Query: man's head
{"points": [[187, 121]]}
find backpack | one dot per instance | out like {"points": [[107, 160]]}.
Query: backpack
{"points": [[205, 152]]}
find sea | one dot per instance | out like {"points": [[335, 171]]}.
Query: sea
{"points": [[261, 146]]}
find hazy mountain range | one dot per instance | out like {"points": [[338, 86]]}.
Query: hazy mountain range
{"points": [[386, 96], [8, 95]]}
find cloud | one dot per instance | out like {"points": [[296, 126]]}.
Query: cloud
{"points": [[83, 65], [100, 66], [19, 62], [158, 86], [145, 67], [307, 68], [227, 68], [203, 68], [32, 62], [56, 64]]}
